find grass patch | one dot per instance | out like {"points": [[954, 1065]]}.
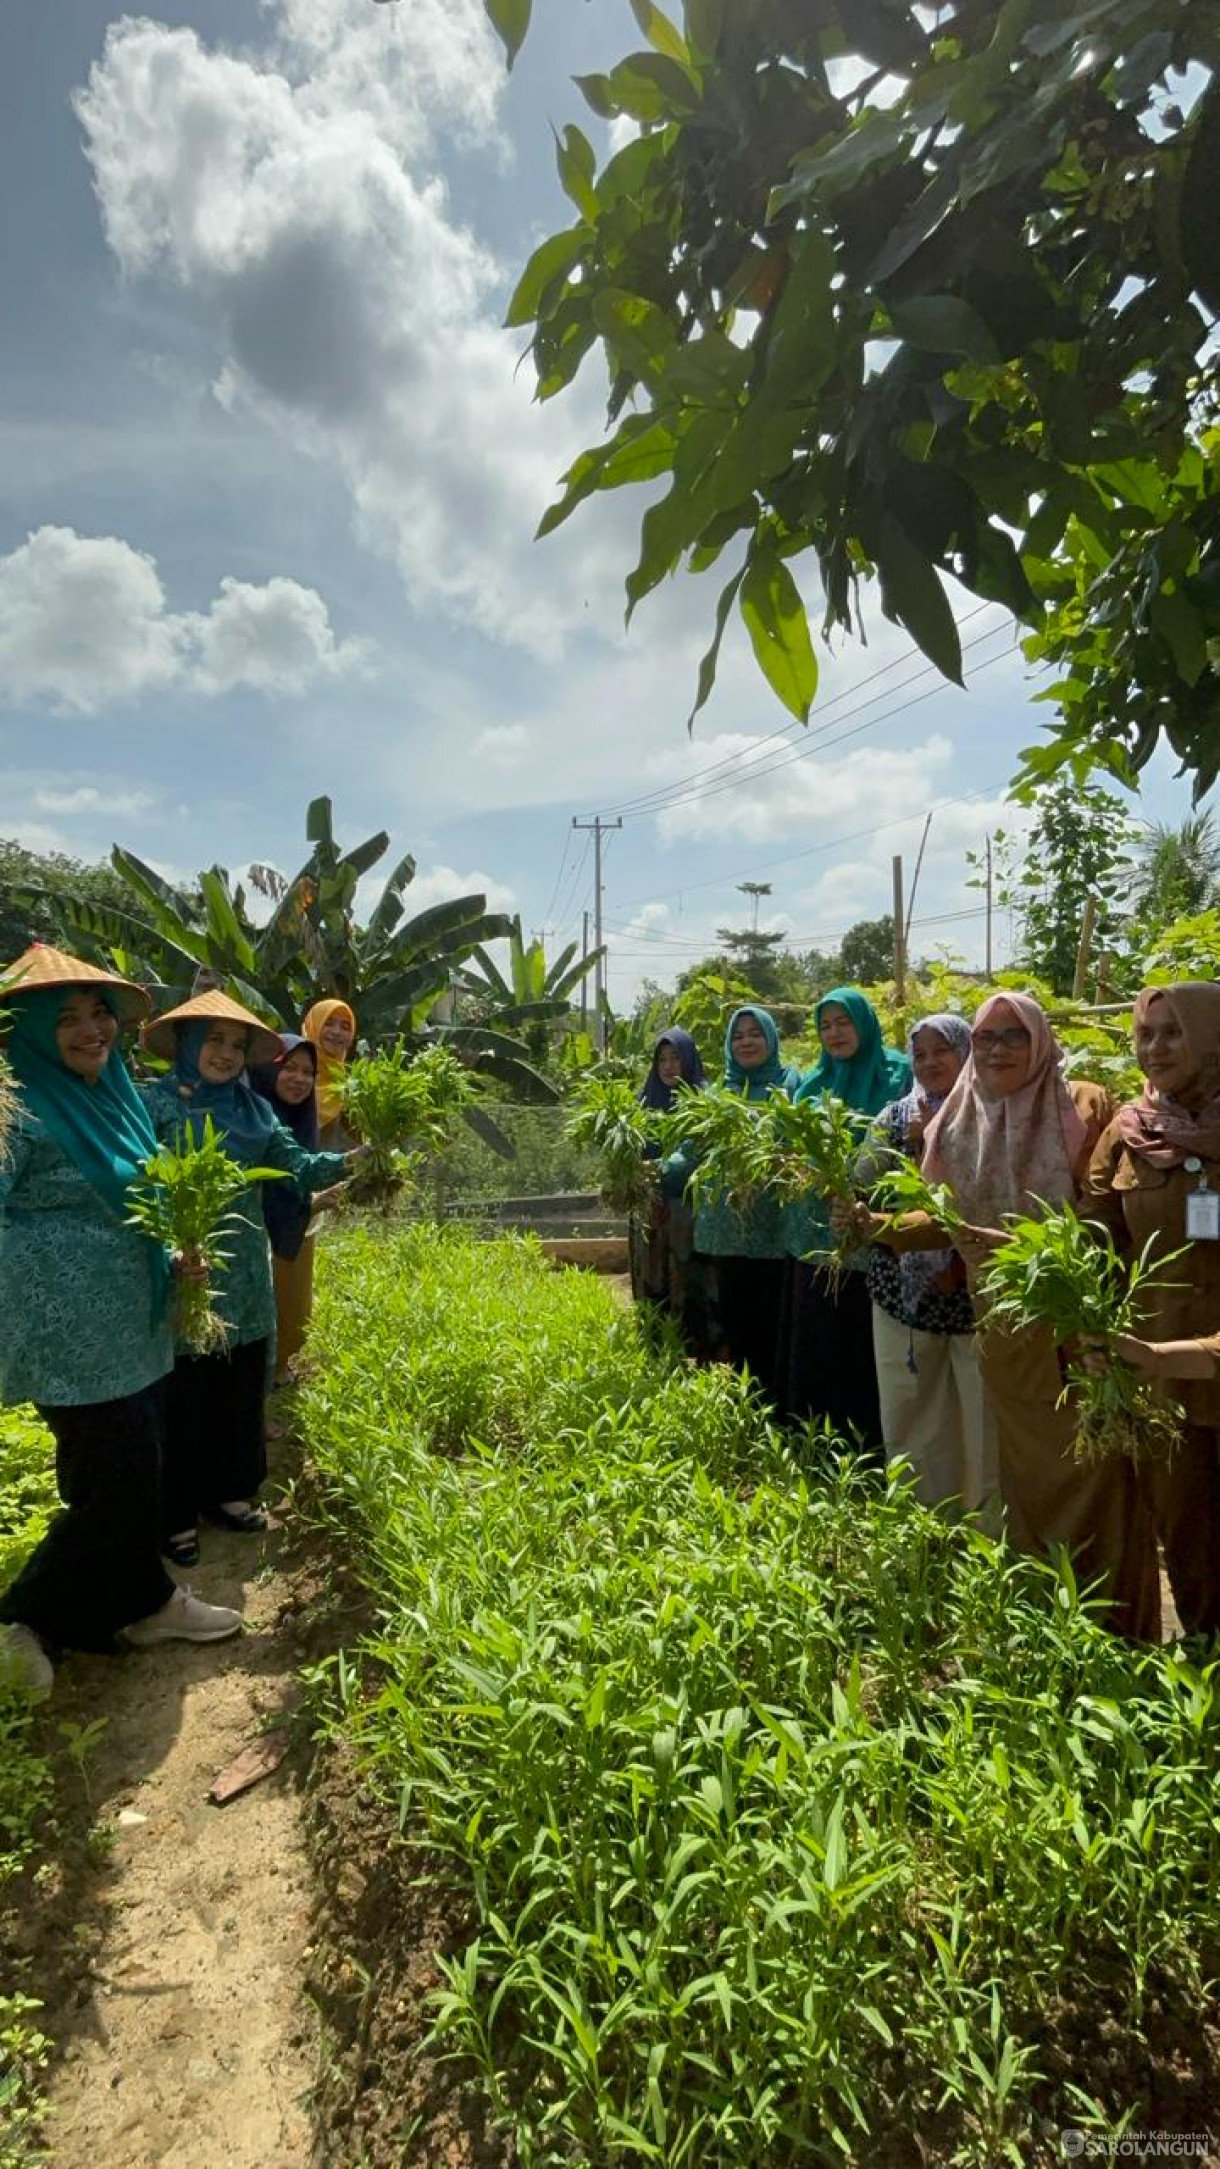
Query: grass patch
{"points": [[791, 1814], [27, 1500]]}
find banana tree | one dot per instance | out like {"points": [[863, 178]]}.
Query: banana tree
{"points": [[392, 969], [530, 991]]}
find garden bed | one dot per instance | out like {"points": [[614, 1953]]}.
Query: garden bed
{"points": [[750, 1813]]}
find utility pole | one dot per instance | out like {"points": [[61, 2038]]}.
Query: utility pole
{"points": [[599, 829], [584, 984]]}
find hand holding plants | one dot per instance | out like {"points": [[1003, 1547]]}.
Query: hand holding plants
{"points": [[185, 1201], [1065, 1273]]}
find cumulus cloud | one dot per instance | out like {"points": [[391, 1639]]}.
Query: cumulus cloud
{"points": [[84, 624], [85, 798], [772, 790], [440, 884], [293, 194]]}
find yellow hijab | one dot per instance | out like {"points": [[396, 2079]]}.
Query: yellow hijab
{"points": [[330, 1066]]}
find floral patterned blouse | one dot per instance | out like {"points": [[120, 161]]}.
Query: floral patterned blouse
{"points": [[77, 1299], [243, 1294]]}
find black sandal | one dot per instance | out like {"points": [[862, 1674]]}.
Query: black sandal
{"points": [[252, 1523], [182, 1550]]}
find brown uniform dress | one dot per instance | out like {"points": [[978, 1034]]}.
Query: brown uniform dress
{"points": [[1140, 1202], [1099, 1511]]}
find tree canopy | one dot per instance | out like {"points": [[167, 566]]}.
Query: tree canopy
{"points": [[915, 292]]}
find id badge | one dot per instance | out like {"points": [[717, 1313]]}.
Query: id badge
{"points": [[1203, 1216]]}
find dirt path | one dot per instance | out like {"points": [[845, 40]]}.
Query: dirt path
{"points": [[172, 1943]]}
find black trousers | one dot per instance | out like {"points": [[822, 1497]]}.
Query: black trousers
{"points": [[748, 1303], [216, 1442], [827, 1355], [98, 1567]]}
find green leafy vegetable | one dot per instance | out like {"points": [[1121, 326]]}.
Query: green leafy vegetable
{"points": [[1065, 1273], [403, 1108], [185, 1201], [608, 1119]]}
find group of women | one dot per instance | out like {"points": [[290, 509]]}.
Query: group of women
{"points": [[150, 1438], [887, 1350]]}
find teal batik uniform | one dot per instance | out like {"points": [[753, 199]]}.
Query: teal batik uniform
{"points": [[873, 1076], [82, 1310], [243, 1294], [721, 1231]]}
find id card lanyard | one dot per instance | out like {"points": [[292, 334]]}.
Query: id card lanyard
{"points": [[1202, 1206]]}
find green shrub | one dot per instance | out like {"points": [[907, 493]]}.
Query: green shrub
{"points": [[787, 1805]]}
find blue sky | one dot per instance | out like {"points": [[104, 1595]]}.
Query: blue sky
{"points": [[268, 482]]}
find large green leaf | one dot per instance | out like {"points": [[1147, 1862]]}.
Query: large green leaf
{"points": [[441, 923], [389, 908], [912, 595], [661, 33], [551, 260], [319, 827], [362, 856], [565, 984], [577, 165], [779, 630], [511, 20], [524, 1081], [225, 930], [707, 668], [532, 1012]]}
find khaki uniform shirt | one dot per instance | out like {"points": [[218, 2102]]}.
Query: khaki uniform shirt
{"points": [[1139, 1203]]}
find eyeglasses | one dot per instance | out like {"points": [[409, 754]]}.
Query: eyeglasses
{"points": [[1013, 1038]]}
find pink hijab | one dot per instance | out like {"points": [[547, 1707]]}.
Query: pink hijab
{"points": [[999, 1155], [1162, 1130]]}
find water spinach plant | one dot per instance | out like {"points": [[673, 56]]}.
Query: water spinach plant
{"points": [[608, 1119], [185, 1201], [1065, 1273], [402, 1107], [788, 1811]]}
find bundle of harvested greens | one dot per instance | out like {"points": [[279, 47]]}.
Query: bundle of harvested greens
{"points": [[608, 1119], [185, 1201], [902, 1189], [1065, 1273], [727, 1140], [402, 1107]]}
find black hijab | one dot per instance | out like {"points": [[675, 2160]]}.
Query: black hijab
{"points": [[654, 1092], [286, 1209]]}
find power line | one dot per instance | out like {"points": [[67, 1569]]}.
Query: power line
{"points": [[809, 851], [683, 797], [642, 800], [563, 860]]}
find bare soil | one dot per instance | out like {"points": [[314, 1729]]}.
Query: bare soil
{"points": [[167, 1938]]}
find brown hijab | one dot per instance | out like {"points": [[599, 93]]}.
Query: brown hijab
{"points": [[1159, 1129], [1003, 1155]]}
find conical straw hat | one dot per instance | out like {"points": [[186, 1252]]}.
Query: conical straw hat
{"points": [[41, 966], [264, 1045]]}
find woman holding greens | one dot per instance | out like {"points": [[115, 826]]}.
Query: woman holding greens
{"points": [[665, 1271], [217, 1453], [1012, 1137], [932, 1406], [1155, 1179], [828, 1365], [744, 1245], [84, 1331]]}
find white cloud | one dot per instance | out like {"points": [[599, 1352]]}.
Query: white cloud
{"points": [[276, 637], [439, 884], [85, 798], [784, 788], [294, 196], [504, 745], [84, 624]]}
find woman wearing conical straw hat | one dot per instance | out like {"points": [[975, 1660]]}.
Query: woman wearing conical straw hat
{"points": [[84, 1331], [216, 1451]]}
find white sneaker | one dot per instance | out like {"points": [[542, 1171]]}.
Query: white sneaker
{"points": [[185, 1618], [24, 1663]]}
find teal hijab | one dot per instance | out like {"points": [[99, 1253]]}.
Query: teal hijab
{"points": [[756, 1083], [873, 1076]]}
